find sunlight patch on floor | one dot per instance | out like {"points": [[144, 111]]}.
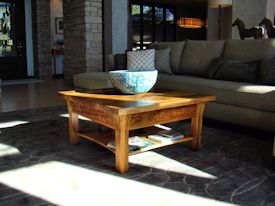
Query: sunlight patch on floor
{"points": [[65, 184], [7, 150], [79, 116], [12, 124], [155, 160]]}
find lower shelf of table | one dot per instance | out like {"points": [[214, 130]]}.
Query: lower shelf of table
{"points": [[104, 137]]}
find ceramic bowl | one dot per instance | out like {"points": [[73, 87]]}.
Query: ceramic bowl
{"points": [[133, 82]]}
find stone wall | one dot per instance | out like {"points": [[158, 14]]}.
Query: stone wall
{"points": [[83, 36], [42, 39]]}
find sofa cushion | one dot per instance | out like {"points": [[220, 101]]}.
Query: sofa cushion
{"points": [[176, 51], [92, 80], [239, 71], [141, 60], [162, 61], [267, 72], [197, 56], [247, 95], [253, 118], [249, 50]]}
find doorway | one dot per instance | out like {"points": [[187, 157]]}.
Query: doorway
{"points": [[12, 40]]}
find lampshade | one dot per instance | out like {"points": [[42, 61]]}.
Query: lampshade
{"points": [[217, 3], [191, 23]]}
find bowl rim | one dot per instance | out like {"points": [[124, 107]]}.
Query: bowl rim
{"points": [[133, 71]]}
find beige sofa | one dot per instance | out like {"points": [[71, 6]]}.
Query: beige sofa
{"points": [[246, 104]]}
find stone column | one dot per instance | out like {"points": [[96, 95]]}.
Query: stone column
{"points": [[82, 36], [42, 38]]}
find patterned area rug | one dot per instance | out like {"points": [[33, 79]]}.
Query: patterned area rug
{"points": [[235, 166]]}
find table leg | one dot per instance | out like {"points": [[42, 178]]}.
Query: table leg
{"points": [[73, 128], [121, 139], [196, 127], [73, 123]]}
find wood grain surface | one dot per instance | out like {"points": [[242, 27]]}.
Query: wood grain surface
{"points": [[124, 113]]}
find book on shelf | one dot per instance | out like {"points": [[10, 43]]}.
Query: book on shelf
{"points": [[134, 143], [112, 145], [159, 138], [140, 142], [171, 134]]}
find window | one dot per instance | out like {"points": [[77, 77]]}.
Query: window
{"points": [[170, 24], [152, 23], [136, 17], [7, 31]]}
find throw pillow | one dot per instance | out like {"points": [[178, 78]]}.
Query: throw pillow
{"points": [[238, 71], [176, 52], [120, 62], [163, 61], [213, 67], [141, 60], [267, 72]]}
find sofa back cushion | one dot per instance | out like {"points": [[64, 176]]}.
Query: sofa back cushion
{"points": [[175, 54], [249, 50], [162, 61], [197, 56]]}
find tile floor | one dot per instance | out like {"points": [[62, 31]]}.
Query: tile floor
{"points": [[32, 95]]}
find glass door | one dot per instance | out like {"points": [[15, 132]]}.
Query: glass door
{"points": [[12, 40], [147, 36], [136, 22], [152, 23]]}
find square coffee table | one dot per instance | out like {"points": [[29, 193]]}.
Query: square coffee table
{"points": [[124, 113]]}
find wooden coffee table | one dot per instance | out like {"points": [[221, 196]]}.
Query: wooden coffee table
{"points": [[124, 113]]}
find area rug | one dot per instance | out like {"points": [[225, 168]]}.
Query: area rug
{"points": [[234, 167]]}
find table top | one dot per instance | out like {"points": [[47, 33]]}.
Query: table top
{"points": [[130, 104]]}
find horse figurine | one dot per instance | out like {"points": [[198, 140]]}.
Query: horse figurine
{"points": [[269, 27], [255, 32]]}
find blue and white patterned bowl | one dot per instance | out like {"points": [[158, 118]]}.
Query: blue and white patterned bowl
{"points": [[133, 82]]}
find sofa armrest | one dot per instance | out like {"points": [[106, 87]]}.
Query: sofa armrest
{"points": [[110, 62]]}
